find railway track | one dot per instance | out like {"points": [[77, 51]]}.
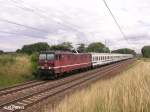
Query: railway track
{"points": [[23, 89], [60, 87], [19, 87]]}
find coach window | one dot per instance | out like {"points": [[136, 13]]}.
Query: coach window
{"points": [[50, 56]]}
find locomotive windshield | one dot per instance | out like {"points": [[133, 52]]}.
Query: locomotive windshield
{"points": [[50, 56], [46, 57], [42, 56]]}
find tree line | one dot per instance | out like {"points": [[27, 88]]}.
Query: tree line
{"points": [[67, 46], [146, 51], [82, 48], [1, 52]]}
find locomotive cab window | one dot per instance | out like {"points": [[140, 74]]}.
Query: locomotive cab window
{"points": [[46, 56], [50, 56], [42, 57]]}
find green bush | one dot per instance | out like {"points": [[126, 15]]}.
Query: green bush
{"points": [[15, 68], [146, 51], [124, 51], [5, 59], [65, 46], [34, 62], [33, 48], [1, 52], [97, 47]]}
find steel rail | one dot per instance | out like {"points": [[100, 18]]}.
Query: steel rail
{"points": [[20, 87], [28, 91], [27, 85], [71, 85], [48, 89]]}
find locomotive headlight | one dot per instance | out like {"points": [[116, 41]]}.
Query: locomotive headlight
{"points": [[49, 67], [42, 67]]}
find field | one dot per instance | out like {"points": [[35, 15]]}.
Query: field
{"points": [[14, 69], [127, 92]]}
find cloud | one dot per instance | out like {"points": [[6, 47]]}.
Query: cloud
{"points": [[137, 37], [75, 21]]}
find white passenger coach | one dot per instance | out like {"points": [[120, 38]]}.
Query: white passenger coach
{"points": [[106, 58]]}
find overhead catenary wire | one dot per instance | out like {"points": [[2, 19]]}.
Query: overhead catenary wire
{"points": [[119, 27], [26, 26], [41, 13], [35, 11], [17, 34]]}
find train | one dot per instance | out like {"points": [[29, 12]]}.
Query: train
{"points": [[52, 64]]}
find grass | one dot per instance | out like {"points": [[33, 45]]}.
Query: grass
{"points": [[14, 69], [127, 92]]}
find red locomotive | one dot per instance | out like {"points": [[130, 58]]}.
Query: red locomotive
{"points": [[53, 64]]}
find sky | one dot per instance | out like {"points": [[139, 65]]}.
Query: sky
{"points": [[77, 21]]}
